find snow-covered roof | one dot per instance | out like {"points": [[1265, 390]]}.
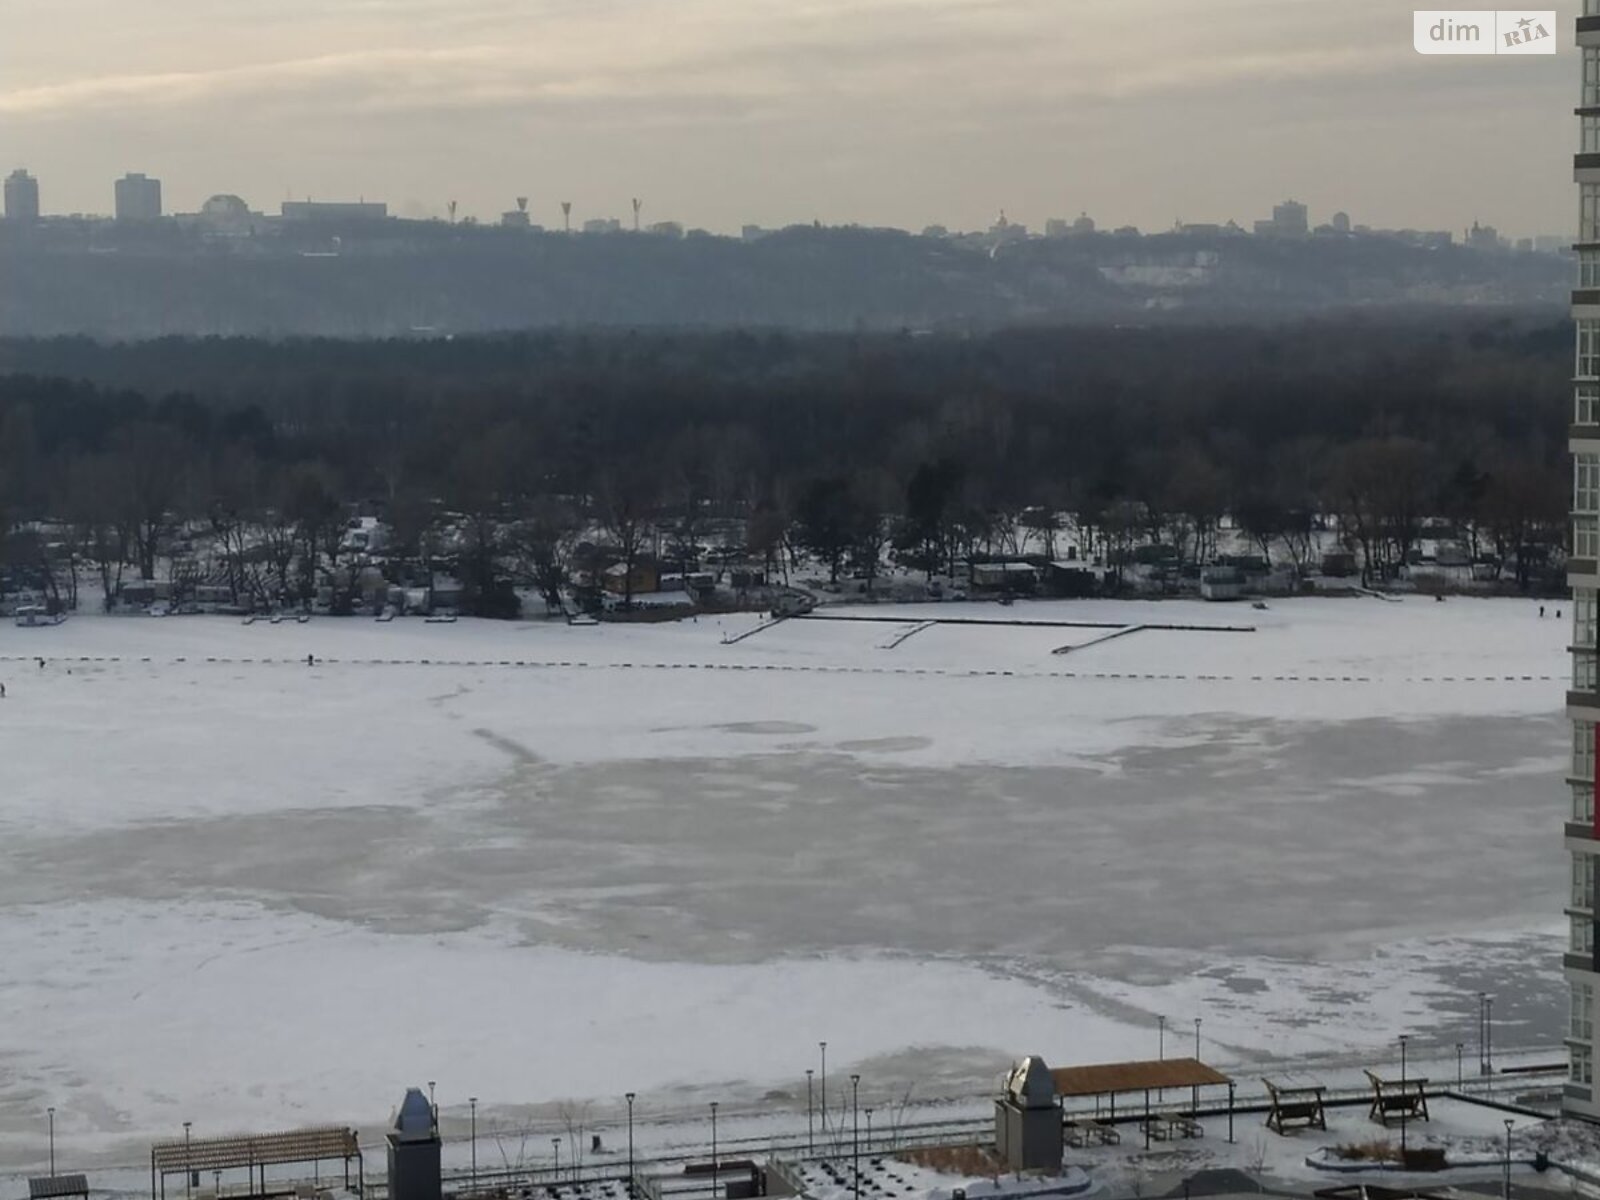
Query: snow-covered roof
{"points": [[413, 1120], [1031, 1084]]}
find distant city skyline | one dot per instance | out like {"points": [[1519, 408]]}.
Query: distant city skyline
{"points": [[1303, 217], [719, 113]]}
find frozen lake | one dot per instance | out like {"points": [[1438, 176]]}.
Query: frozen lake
{"points": [[248, 892]]}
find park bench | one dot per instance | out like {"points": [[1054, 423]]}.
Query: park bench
{"points": [[1295, 1108], [1405, 1099]]}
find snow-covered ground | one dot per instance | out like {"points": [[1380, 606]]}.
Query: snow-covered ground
{"points": [[540, 863]]}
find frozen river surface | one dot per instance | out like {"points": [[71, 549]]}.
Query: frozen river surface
{"points": [[537, 862]]}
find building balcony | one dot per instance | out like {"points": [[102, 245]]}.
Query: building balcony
{"points": [[1573, 961], [1580, 566], [1582, 830]]}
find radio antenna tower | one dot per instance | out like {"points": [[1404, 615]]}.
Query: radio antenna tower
{"points": [[566, 215], [452, 212], [637, 205], [522, 204]]}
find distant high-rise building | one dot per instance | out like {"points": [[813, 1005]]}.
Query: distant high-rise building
{"points": [[1289, 219], [1341, 222], [22, 196], [138, 198], [1483, 237], [332, 210]]}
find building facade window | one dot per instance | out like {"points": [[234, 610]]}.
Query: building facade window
{"points": [[1589, 347], [1585, 537], [1589, 212], [1582, 1027], [1583, 671], [1582, 1064], [1582, 938], [1583, 750], [1586, 483], [1591, 77], [1589, 268], [1586, 404], [1583, 882], [1583, 616]]}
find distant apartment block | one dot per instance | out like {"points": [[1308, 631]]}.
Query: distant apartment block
{"points": [[22, 196], [337, 211], [1056, 227], [138, 198], [1483, 237], [1289, 219]]}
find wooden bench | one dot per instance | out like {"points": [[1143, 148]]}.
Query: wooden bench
{"points": [[1295, 1108], [1405, 1099], [1186, 1125]]}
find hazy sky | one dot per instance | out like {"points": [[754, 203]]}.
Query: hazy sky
{"points": [[717, 112]]}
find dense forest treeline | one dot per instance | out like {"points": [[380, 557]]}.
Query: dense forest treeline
{"points": [[854, 447]]}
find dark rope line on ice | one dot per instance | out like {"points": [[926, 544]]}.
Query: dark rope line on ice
{"points": [[941, 672]]}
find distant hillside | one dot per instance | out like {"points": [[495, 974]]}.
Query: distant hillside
{"points": [[394, 278]]}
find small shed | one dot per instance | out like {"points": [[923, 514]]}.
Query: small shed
{"points": [[1027, 1118]]}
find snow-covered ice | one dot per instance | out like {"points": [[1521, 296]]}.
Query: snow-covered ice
{"points": [[248, 892]]}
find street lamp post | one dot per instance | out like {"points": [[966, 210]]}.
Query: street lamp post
{"points": [[855, 1135], [1460, 1082], [1483, 1048], [1404, 1038], [1161, 1049], [868, 1111], [51, 1113], [629, 1099], [1488, 1034], [824, 1046], [1507, 1192], [811, 1128], [472, 1102], [713, 1149], [555, 1144], [188, 1167], [1194, 1098]]}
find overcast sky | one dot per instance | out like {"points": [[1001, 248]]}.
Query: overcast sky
{"points": [[719, 112]]}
